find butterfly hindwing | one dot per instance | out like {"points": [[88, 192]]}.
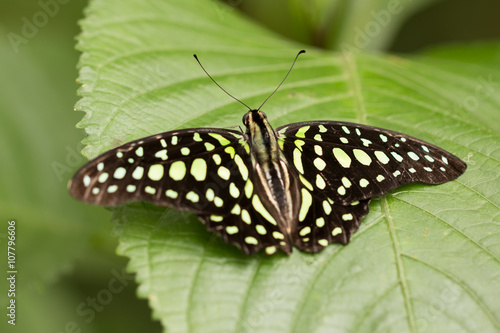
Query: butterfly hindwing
{"points": [[329, 222], [352, 162], [243, 226]]}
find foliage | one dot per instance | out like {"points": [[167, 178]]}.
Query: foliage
{"points": [[423, 257]]}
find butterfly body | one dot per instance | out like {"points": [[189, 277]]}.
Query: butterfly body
{"points": [[302, 185], [273, 176]]}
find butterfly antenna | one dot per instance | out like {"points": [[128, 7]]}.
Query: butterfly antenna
{"points": [[218, 85], [275, 90]]}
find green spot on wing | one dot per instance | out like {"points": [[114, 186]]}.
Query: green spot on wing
{"points": [[177, 170], [301, 133]]}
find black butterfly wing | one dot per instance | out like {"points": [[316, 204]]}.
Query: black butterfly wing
{"points": [[248, 226], [326, 222], [352, 162], [342, 165], [206, 171], [163, 169]]}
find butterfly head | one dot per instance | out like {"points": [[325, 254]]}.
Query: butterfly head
{"points": [[259, 130], [253, 116], [254, 119]]}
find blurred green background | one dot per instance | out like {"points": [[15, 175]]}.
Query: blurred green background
{"points": [[69, 276]]}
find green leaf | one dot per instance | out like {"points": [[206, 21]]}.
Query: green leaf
{"points": [[40, 151], [426, 258]]}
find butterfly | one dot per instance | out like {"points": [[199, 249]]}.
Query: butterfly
{"points": [[302, 185]]}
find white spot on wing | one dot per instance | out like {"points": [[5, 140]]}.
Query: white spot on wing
{"points": [[363, 182], [319, 164], [234, 191], [197, 137], [327, 207], [112, 189], [103, 177], [320, 182], [171, 194], [366, 142], [177, 170], [306, 203], [362, 157], [241, 166], [336, 231], [342, 157], [341, 190], [224, 172], [119, 173], [413, 156], [398, 157], [297, 160], [231, 230], [192, 196], [150, 190], [162, 154], [382, 157], [138, 173], [199, 169], [155, 172], [346, 182]]}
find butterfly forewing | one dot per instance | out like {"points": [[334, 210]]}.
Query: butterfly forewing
{"points": [[351, 162], [175, 169]]}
